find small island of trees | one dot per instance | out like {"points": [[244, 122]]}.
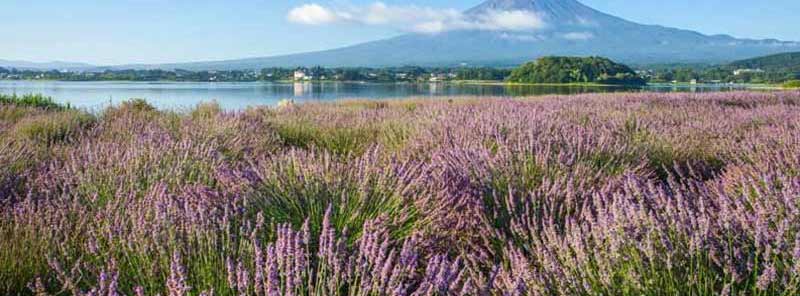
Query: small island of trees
{"points": [[562, 70]]}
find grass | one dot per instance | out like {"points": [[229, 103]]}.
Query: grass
{"points": [[51, 129], [302, 187]]}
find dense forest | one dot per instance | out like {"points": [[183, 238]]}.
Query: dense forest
{"points": [[773, 69], [575, 70], [785, 62]]}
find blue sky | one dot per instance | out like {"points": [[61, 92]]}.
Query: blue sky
{"points": [[157, 31]]}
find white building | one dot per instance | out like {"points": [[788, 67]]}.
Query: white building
{"points": [[299, 75], [437, 77], [742, 71]]}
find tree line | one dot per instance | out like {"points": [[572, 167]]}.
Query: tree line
{"points": [[396, 74], [544, 70]]}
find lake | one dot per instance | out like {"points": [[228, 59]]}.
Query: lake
{"points": [[236, 95]]}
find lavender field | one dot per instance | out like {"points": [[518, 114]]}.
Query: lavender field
{"points": [[608, 194]]}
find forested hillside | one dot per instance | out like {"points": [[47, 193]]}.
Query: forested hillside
{"points": [[575, 70], [785, 62]]}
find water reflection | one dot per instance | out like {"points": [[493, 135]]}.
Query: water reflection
{"points": [[234, 96]]}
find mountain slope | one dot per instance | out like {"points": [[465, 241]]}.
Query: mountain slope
{"points": [[570, 28], [23, 65], [788, 62]]}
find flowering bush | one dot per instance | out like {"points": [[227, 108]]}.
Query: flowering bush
{"points": [[633, 194]]}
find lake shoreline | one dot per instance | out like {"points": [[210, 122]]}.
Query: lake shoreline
{"points": [[239, 95], [450, 82]]}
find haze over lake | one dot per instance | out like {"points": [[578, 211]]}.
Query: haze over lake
{"points": [[236, 96]]}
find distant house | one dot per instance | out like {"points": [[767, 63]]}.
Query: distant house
{"points": [[738, 72], [693, 81], [300, 75], [437, 77], [645, 73]]}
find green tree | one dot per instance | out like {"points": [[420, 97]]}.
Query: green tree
{"points": [[575, 70]]}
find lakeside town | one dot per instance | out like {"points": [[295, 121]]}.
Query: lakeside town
{"points": [[672, 74]]}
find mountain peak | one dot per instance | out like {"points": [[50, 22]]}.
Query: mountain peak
{"points": [[553, 10], [565, 27]]}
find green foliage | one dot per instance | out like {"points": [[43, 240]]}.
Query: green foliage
{"points": [[664, 159], [11, 114], [792, 84], [137, 105], [206, 110], [482, 74], [317, 73], [575, 70], [31, 100], [784, 62], [53, 128], [132, 107], [298, 188], [15, 160], [340, 141], [773, 69]]}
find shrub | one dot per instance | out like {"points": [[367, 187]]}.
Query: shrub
{"points": [[206, 110], [11, 114], [50, 129], [615, 194], [31, 100], [15, 159], [337, 140], [792, 84], [132, 107], [301, 186]]}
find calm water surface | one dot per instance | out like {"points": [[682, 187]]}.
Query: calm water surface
{"points": [[235, 96]]}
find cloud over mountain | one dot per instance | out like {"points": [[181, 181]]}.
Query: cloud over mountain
{"points": [[499, 33], [416, 18], [578, 36]]}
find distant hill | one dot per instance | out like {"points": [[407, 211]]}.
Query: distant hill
{"points": [[56, 65], [575, 70], [784, 62]]}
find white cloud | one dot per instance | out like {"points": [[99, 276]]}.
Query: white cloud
{"points": [[415, 18], [513, 20], [523, 37], [312, 14], [578, 36]]}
